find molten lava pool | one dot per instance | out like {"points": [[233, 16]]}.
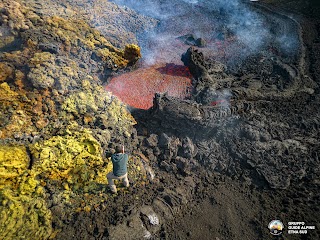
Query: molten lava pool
{"points": [[137, 88]]}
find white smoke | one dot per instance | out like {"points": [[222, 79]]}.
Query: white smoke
{"points": [[214, 21], [191, 1]]}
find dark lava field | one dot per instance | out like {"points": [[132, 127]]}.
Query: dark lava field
{"points": [[216, 102]]}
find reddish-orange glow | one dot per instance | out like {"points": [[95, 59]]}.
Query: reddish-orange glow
{"points": [[218, 102], [137, 88]]}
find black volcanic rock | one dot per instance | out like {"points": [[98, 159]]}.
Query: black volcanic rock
{"points": [[200, 42], [190, 39]]}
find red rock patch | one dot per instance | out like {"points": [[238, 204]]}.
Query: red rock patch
{"points": [[137, 88]]}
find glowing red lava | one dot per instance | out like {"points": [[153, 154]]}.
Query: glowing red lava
{"points": [[137, 88]]}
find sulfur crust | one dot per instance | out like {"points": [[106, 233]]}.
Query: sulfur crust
{"points": [[24, 213]]}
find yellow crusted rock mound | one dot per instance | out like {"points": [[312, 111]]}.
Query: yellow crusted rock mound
{"points": [[23, 217], [24, 214], [74, 159], [73, 32], [14, 161], [95, 99]]}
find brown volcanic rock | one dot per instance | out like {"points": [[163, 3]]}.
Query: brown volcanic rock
{"points": [[6, 72], [261, 89], [14, 15], [119, 24], [254, 141]]}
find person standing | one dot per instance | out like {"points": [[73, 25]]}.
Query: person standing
{"points": [[119, 161]]}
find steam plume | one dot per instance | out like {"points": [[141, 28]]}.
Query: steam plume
{"points": [[230, 28]]}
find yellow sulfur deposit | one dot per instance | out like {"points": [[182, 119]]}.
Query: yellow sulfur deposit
{"points": [[75, 158], [14, 161], [63, 163], [15, 117], [119, 115], [105, 54], [132, 53], [6, 94], [94, 98], [24, 214], [80, 103], [73, 32], [23, 217]]}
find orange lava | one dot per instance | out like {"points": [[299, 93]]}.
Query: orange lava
{"points": [[137, 88]]}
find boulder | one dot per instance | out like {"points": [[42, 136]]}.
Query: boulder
{"points": [[188, 149], [152, 140]]}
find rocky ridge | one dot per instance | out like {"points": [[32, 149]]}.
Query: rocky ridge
{"points": [[58, 122]]}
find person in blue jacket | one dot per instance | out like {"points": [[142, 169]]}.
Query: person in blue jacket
{"points": [[119, 161]]}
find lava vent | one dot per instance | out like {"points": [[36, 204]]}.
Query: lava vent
{"points": [[137, 88]]}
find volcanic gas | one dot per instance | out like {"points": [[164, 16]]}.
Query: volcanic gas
{"points": [[226, 32]]}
